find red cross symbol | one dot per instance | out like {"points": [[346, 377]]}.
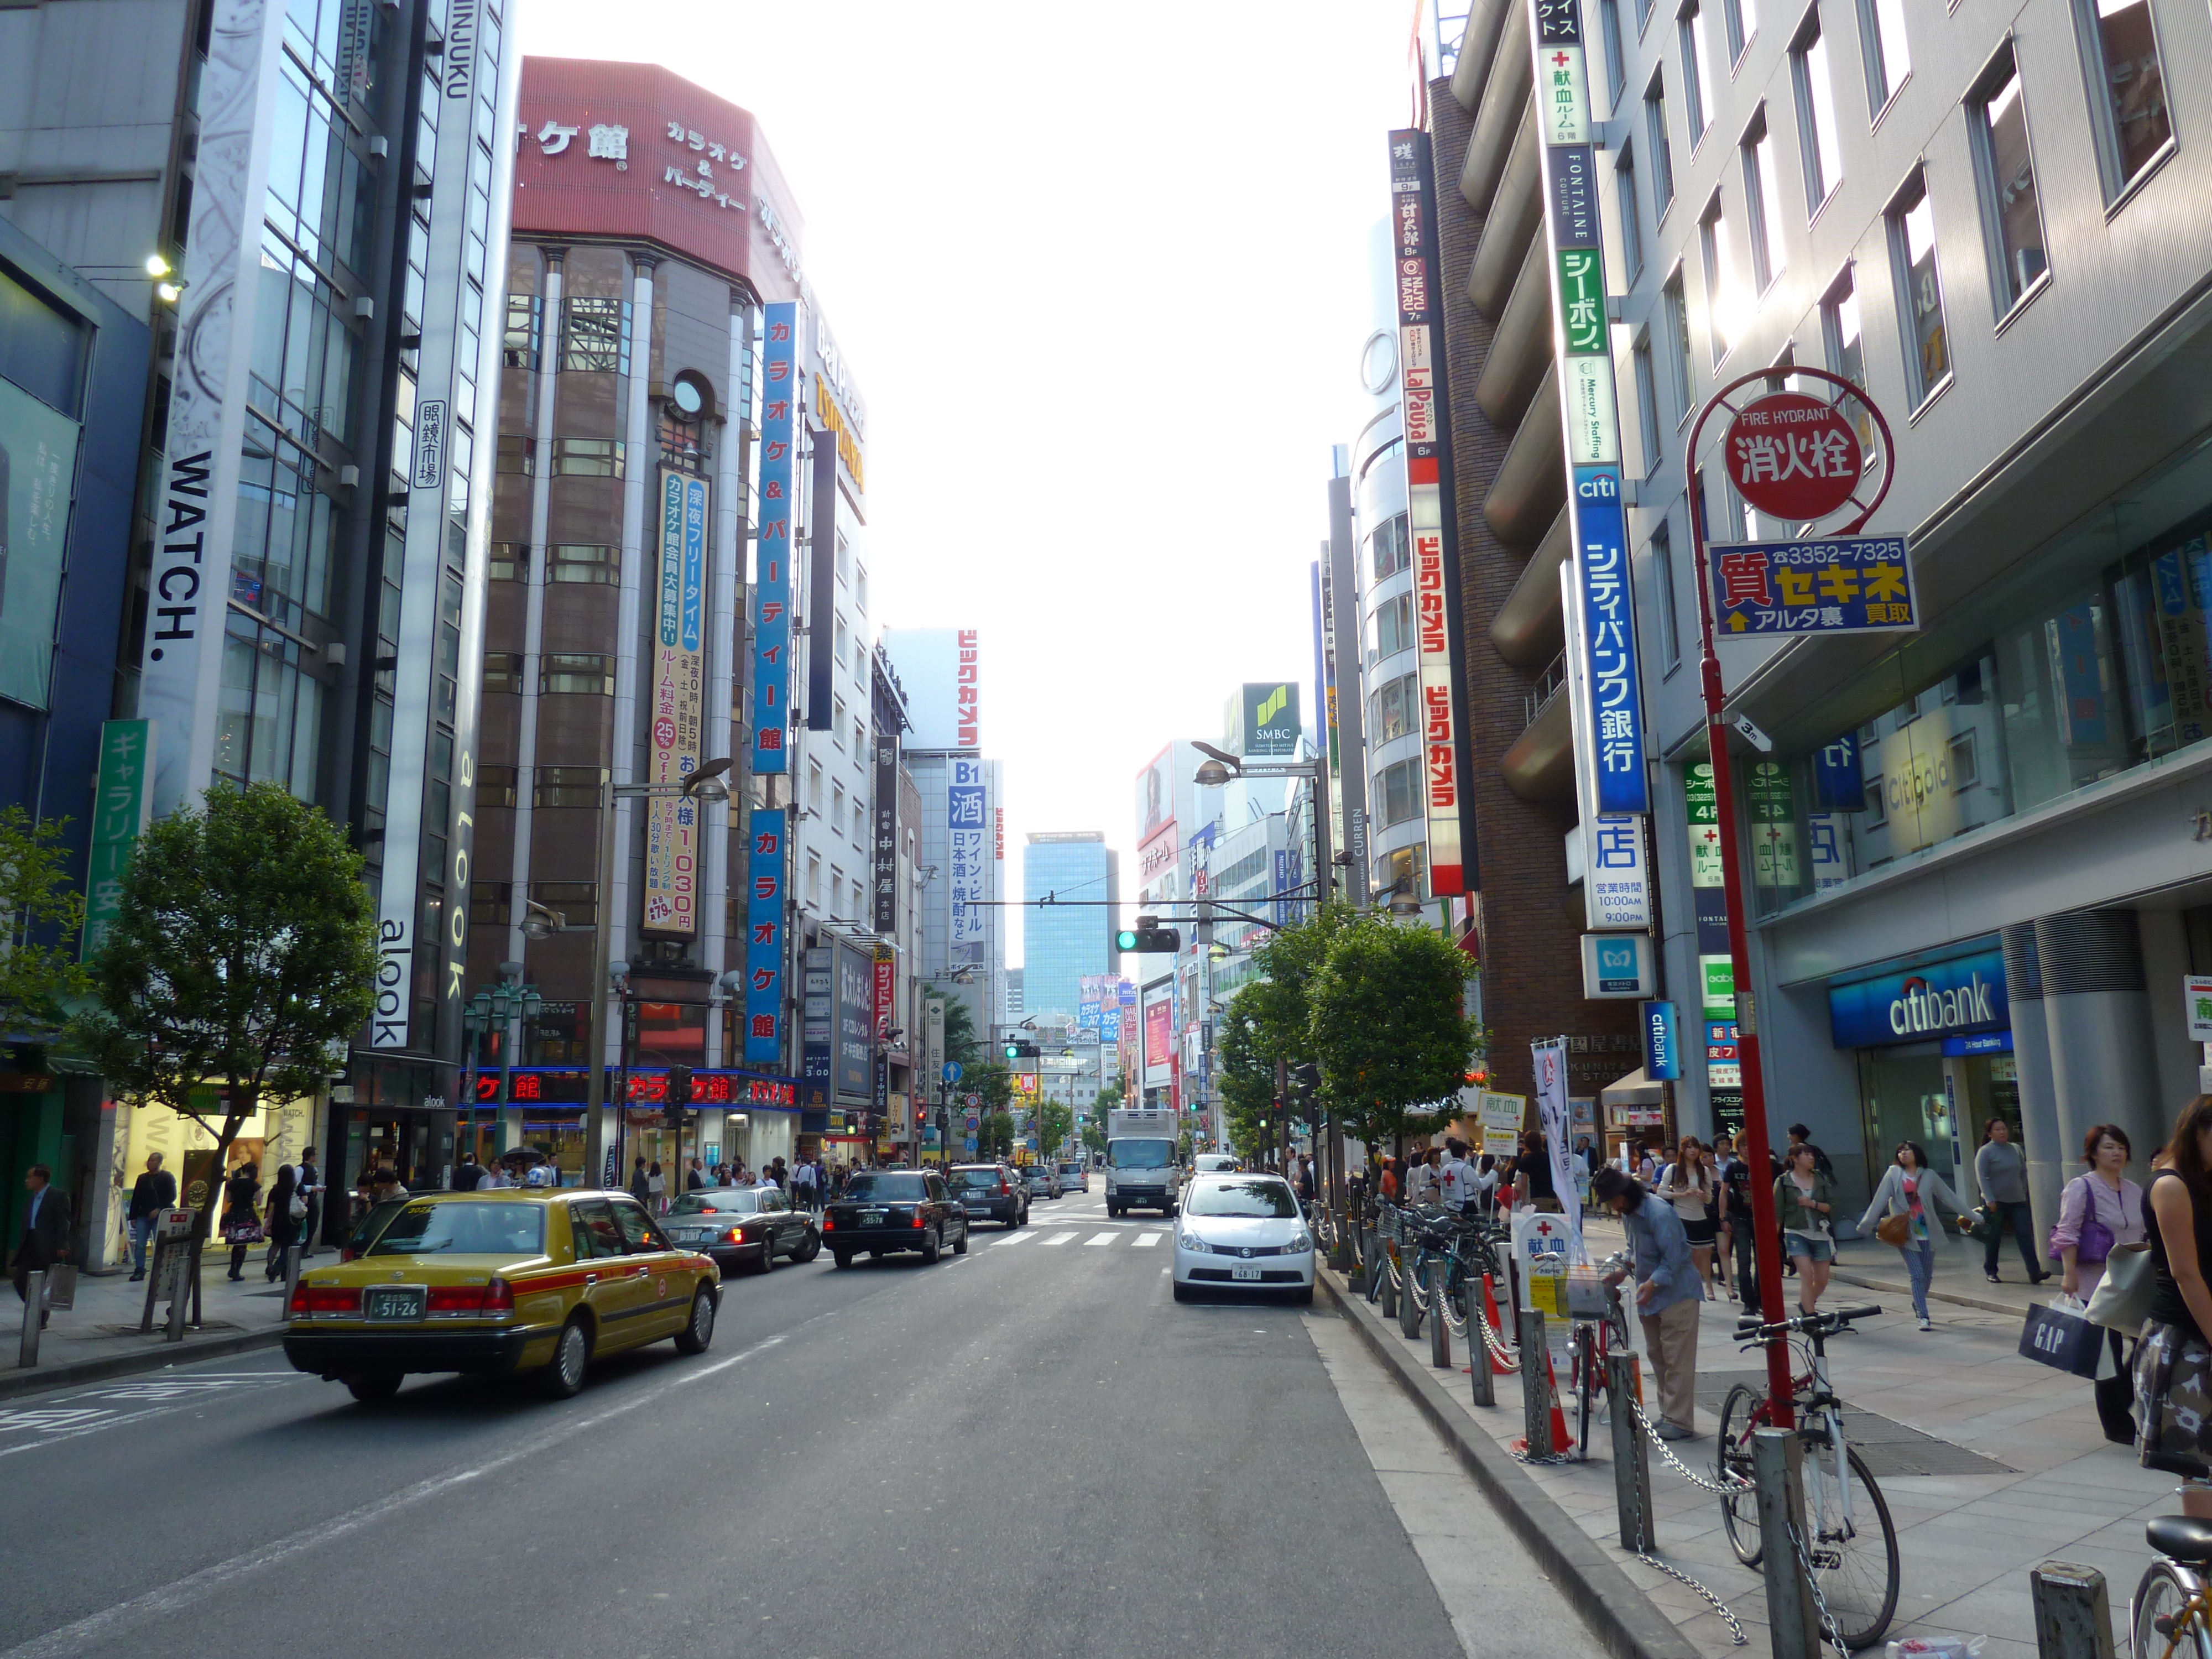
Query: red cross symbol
{"points": [[1543, 1230], [1560, 60]]}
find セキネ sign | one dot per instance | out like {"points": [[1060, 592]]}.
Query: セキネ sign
{"points": [[1836, 585]]}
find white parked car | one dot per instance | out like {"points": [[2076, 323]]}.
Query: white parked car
{"points": [[1242, 1232]]}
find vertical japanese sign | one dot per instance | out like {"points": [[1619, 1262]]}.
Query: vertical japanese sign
{"points": [[772, 582], [765, 913], [968, 725], [679, 706], [883, 873], [1553, 1117], [1436, 558], [122, 804], [968, 833], [1608, 715]]}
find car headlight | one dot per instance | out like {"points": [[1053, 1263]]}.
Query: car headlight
{"points": [[1195, 1244], [1300, 1242]]}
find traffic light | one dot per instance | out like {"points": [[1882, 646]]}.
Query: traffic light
{"points": [[1019, 1048], [678, 1091], [1148, 937]]}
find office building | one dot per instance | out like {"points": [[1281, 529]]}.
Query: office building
{"points": [[1071, 938]]}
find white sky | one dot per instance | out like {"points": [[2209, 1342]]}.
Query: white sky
{"points": [[1100, 273]]}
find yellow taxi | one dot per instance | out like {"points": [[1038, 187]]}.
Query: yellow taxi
{"points": [[515, 1279]]}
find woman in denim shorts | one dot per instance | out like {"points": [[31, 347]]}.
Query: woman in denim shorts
{"points": [[1805, 1200]]}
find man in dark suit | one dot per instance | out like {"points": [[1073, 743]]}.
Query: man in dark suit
{"points": [[155, 1192], [46, 1229]]}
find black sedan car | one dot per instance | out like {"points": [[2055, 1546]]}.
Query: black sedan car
{"points": [[990, 1192], [883, 1212], [749, 1224]]}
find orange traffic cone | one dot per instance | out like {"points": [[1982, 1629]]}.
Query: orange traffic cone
{"points": [[1559, 1441], [1497, 1366]]}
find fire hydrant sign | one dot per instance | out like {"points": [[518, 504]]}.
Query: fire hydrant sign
{"points": [[1794, 456], [1834, 584]]}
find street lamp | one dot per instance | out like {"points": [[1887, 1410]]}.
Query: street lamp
{"points": [[1222, 766], [704, 783]]}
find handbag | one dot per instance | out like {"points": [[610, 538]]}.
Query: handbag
{"points": [[61, 1284], [243, 1232], [1988, 1224], [2095, 1241], [2059, 1334], [1895, 1229], [2122, 1299]]}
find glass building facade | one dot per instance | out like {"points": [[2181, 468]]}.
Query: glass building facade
{"points": [[1061, 947]]}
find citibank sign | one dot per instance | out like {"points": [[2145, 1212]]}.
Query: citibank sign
{"points": [[1945, 998]]}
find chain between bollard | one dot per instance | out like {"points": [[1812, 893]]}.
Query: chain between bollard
{"points": [[1831, 1634], [1666, 1453], [1506, 1360], [1728, 1617]]}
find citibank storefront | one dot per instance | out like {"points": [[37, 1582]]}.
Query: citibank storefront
{"points": [[1932, 1037]]}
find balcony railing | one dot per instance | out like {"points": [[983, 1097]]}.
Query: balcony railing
{"points": [[1548, 685]]}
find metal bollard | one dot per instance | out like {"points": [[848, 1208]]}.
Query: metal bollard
{"points": [[1389, 1285], [1340, 1247], [1632, 1458], [1376, 1271], [1778, 1465], [34, 1303], [1439, 1323], [1483, 1378], [2073, 1613], [1409, 1307], [182, 1274], [1535, 1386], [292, 1257]]}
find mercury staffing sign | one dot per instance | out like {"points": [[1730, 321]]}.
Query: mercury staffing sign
{"points": [[1421, 393]]}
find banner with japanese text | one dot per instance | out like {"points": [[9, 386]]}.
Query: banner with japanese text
{"points": [[771, 700], [764, 937], [677, 700]]}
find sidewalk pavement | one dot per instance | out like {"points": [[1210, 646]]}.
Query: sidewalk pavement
{"points": [[98, 1337], [1991, 1464]]}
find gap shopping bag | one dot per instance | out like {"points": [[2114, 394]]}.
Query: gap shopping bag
{"points": [[2060, 1336]]}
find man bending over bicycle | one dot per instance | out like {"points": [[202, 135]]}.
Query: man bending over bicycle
{"points": [[1668, 1293]]}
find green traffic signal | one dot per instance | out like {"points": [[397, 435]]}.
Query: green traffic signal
{"points": [[1125, 940], [1013, 1051]]}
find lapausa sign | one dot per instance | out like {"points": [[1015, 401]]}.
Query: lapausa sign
{"points": [[1956, 995]]}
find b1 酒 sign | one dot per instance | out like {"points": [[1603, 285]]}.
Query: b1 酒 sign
{"points": [[1793, 457]]}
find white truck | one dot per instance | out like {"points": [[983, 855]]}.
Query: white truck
{"points": [[1141, 1160]]}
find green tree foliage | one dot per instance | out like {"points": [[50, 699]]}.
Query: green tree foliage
{"points": [[39, 970], [996, 1138], [1246, 1069], [962, 1045], [1053, 1121], [1389, 1028], [1279, 1005], [993, 1082], [242, 960]]}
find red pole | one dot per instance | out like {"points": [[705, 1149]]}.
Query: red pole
{"points": [[1763, 1218]]}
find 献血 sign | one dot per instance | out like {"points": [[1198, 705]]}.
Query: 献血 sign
{"points": [[1837, 584]]}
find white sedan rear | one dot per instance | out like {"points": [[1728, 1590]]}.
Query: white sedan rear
{"points": [[1242, 1232]]}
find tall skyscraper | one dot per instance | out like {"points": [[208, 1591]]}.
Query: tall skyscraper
{"points": [[1071, 939]]}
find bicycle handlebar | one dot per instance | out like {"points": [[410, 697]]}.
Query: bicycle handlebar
{"points": [[1833, 1322]]}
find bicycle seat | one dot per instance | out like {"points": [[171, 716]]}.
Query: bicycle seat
{"points": [[2184, 1537]]}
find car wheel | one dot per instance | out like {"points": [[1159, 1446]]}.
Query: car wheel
{"points": [[960, 1248], [695, 1337], [844, 1258], [810, 1248], [562, 1376], [375, 1388], [767, 1262], [1181, 1291], [931, 1247]]}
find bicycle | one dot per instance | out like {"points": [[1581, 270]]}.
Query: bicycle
{"points": [[1594, 1336], [1852, 1549], [2170, 1616]]}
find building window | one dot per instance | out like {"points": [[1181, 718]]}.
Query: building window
{"points": [[503, 672], [860, 590], [1724, 301], [1663, 577], [588, 457], [1888, 59], [1919, 292], [594, 334], [1398, 791], [2127, 88], [495, 786], [1396, 712], [1839, 327], [1390, 629], [1389, 547], [1676, 305], [1663, 153], [268, 716], [564, 785], [1697, 70], [1820, 148], [488, 900], [519, 347], [814, 880], [1608, 28], [509, 562], [838, 652], [583, 562], [1742, 19], [1762, 195], [813, 785], [518, 455], [1632, 219], [860, 738], [837, 808], [837, 726], [576, 902], [568, 671], [1647, 401], [844, 558], [1997, 124]]}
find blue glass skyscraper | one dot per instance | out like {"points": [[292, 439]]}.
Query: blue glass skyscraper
{"points": [[1061, 947]]}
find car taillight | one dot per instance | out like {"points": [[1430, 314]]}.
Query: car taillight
{"points": [[455, 1299], [920, 1217], [735, 1236], [310, 1298], [1004, 1189], [829, 1222], [499, 1297]]}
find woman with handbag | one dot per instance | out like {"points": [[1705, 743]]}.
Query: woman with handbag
{"points": [[2101, 1211], [1805, 1205], [2174, 1364], [240, 1225], [1906, 1200], [287, 1208]]}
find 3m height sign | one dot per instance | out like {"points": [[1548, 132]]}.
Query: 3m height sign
{"points": [[1435, 560], [1607, 712]]}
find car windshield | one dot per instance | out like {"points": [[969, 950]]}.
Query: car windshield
{"points": [[1255, 1200], [978, 1177], [1139, 1154], [464, 1229], [729, 1203], [1070, 1169], [897, 1188], [1216, 1162]]}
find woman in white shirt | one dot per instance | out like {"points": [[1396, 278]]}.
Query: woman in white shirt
{"points": [[1693, 1187]]}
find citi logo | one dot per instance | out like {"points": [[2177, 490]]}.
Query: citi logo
{"points": [[1920, 1009]]}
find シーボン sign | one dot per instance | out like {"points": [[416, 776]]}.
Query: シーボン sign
{"points": [[1793, 457]]}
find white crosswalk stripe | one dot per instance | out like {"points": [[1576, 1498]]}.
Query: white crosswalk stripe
{"points": [[1058, 1238], [1147, 1238], [1103, 1238], [1015, 1238]]}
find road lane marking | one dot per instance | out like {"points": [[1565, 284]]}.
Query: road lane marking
{"points": [[172, 1598], [1143, 1239], [1058, 1238], [1102, 1238], [1011, 1239]]}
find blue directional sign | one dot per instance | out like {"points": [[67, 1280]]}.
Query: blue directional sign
{"points": [[952, 1071]]}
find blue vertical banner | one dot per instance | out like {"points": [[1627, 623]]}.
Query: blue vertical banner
{"points": [[772, 584], [764, 940], [1608, 639], [1662, 1041]]}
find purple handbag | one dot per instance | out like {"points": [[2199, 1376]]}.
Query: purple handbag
{"points": [[2096, 1241]]}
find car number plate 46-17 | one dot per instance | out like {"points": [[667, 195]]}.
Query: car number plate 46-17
{"points": [[1243, 1270], [395, 1302]]}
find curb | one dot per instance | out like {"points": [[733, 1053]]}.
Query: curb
{"points": [[45, 1379], [1868, 1281], [1617, 1613]]}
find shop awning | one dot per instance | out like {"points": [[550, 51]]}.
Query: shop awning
{"points": [[1634, 1089]]}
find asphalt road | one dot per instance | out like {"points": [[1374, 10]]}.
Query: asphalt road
{"points": [[1028, 1451]]}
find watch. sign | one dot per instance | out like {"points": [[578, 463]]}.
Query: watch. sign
{"points": [[1793, 457]]}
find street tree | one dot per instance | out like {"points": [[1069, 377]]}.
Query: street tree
{"points": [[1389, 1028], [39, 970], [1053, 1121], [996, 1138], [242, 960], [1247, 1071], [962, 1044]]}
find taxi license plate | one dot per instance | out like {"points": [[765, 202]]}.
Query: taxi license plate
{"points": [[394, 1301], [872, 1218], [1243, 1270], [687, 1235]]}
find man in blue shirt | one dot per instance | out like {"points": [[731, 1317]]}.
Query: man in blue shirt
{"points": [[1668, 1292]]}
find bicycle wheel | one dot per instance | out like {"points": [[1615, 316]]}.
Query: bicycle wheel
{"points": [[1587, 1382], [1739, 1415], [1854, 1555], [2162, 1595]]}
